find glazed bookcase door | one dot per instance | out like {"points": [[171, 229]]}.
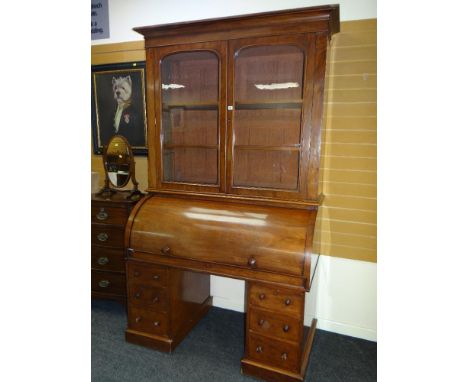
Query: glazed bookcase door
{"points": [[190, 117], [268, 136]]}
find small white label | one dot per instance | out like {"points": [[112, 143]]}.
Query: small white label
{"points": [[230, 107]]}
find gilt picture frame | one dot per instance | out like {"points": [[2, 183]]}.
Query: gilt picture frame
{"points": [[118, 105]]}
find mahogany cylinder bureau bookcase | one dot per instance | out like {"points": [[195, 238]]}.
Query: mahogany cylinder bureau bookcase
{"points": [[234, 111]]}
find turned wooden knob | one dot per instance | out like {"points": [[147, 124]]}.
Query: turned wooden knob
{"points": [[137, 320], [136, 273], [261, 322], [156, 299], [287, 301], [259, 349], [261, 296], [137, 295], [156, 277], [286, 328], [156, 323], [166, 250], [252, 262], [284, 356]]}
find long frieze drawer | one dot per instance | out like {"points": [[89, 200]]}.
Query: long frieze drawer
{"points": [[276, 325], [107, 259], [152, 298], [146, 274], [107, 235], [147, 321], [108, 282], [273, 352], [100, 213], [281, 300]]}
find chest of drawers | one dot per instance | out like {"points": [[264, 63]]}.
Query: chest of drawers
{"points": [[108, 218]]}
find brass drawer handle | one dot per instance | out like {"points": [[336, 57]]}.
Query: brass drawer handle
{"points": [[102, 215], [286, 328], [287, 301], [104, 283], [103, 236], [261, 296], [252, 262], [259, 349], [284, 356], [156, 323], [103, 260], [166, 250]]}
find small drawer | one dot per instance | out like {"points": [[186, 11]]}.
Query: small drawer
{"points": [[147, 321], [107, 282], [275, 325], [274, 353], [107, 259], [281, 300], [146, 274], [107, 235], [100, 213], [151, 298]]}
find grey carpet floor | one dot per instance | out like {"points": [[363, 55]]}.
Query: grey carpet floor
{"points": [[212, 352]]}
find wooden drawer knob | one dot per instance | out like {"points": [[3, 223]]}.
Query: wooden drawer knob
{"points": [[138, 319], [284, 356], [136, 273], [102, 215], [103, 260], [261, 322], [166, 250], [259, 349], [252, 262], [137, 295], [287, 301], [261, 296], [156, 323], [156, 299], [286, 328], [156, 277], [102, 236]]}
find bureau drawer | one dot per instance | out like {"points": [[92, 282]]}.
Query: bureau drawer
{"points": [[147, 321], [100, 213], [276, 325], [273, 352], [108, 282], [281, 300], [146, 274], [107, 235], [152, 298], [107, 259]]}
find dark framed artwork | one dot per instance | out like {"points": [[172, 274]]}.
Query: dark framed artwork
{"points": [[118, 105]]}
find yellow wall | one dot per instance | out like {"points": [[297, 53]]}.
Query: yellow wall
{"points": [[346, 225]]}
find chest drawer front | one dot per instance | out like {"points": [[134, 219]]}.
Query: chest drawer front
{"points": [[107, 235], [282, 300], [147, 321], [101, 213], [272, 324], [273, 352], [151, 298], [107, 282], [107, 259], [147, 274]]}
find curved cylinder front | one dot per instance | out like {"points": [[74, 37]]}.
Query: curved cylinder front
{"points": [[242, 235]]}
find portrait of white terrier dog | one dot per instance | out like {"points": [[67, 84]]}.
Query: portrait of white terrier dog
{"points": [[122, 88]]}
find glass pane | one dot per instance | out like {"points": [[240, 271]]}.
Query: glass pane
{"points": [[190, 117], [266, 168], [269, 73], [191, 165]]}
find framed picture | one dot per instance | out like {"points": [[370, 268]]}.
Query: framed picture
{"points": [[118, 105]]}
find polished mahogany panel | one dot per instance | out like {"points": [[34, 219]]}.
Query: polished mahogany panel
{"points": [[255, 237]]}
